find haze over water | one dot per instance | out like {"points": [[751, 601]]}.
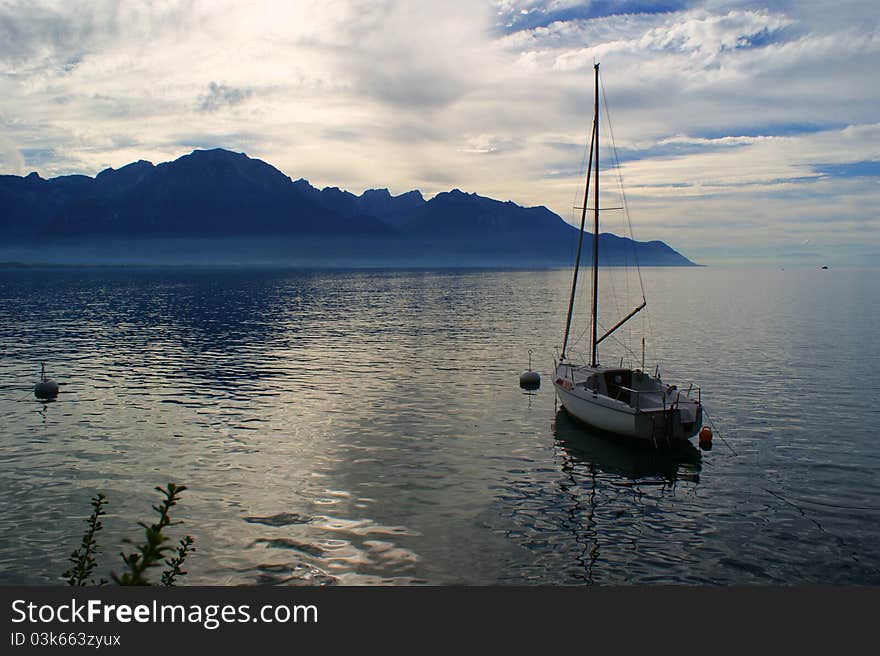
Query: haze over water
{"points": [[361, 427]]}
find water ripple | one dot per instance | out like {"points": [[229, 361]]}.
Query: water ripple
{"points": [[365, 428]]}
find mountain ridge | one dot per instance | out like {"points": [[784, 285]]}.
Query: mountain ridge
{"points": [[223, 197]]}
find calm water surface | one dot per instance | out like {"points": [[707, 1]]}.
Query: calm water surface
{"points": [[367, 427]]}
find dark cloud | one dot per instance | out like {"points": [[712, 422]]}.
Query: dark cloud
{"points": [[411, 56], [416, 87], [60, 35], [31, 32], [220, 95]]}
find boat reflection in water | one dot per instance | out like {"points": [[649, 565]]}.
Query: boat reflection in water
{"points": [[588, 449], [620, 498]]}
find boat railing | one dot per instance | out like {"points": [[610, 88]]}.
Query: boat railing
{"points": [[691, 390], [688, 394], [679, 393], [637, 393]]}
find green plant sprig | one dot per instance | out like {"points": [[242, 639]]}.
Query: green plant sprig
{"points": [[175, 564], [145, 556], [152, 552], [83, 558]]}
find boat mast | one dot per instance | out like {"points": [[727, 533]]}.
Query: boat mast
{"points": [[594, 342], [577, 259]]}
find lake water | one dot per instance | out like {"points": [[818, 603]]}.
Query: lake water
{"points": [[366, 427]]}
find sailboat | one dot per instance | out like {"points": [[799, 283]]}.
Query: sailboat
{"points": [[622, 401]]}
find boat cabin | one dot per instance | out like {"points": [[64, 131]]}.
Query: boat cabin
{"points": [[630, 386], [613, 383]]}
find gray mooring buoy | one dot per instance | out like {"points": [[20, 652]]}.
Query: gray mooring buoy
{"points": [[530, 379], [46, 388]]}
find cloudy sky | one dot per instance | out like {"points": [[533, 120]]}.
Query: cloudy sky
{"points": [[747, 131]]}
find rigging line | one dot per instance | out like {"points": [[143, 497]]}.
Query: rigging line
{"points": [[720, 436], [576, 339], [580, 337], [677, 375], [615, 339], [574, 200], [636, 357], [840, 541], [625, 204], [613, 272], [610, 271], [618, 167], [577, 193], [574, 278], [788, 499], [609, 277], [620, 182]]}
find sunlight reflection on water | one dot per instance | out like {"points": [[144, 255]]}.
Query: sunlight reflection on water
{"points": [[367, 428]]}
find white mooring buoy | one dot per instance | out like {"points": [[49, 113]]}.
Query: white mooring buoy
{"points": [[45, 389], [530, 379]]}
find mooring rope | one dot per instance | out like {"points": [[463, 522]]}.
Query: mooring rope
{"points": [[715, 428]]}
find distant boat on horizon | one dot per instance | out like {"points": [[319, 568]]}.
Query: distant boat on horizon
{"points": [[619, 400]]}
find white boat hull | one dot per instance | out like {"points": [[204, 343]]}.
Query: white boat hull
{"points": [[658, 425], [594, 413]]}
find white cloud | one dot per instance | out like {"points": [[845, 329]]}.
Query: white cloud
{"points": [[717, 103], [710, 34], [11, 161]]}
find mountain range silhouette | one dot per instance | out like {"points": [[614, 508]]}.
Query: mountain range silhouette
{"points": [[217, 205]]}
